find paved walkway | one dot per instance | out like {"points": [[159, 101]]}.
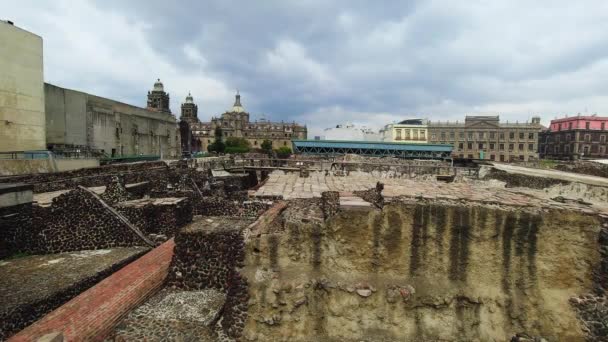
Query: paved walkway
{"points": [[291, 186], [567, 176]]}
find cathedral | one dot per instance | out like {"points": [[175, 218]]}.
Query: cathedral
{"points": [[197, 136]]}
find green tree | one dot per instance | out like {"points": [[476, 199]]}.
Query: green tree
{"points": [[283, 152], [218, 145], [237, 145], [267, 146]]}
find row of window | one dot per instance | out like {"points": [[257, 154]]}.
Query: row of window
{"points": [[585, 149], [410, 134], [586, 138], [482, 135], [587, 126], [492, 147], [255, 142]]}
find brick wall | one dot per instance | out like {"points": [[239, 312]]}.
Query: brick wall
{"points": [[93, 314]]}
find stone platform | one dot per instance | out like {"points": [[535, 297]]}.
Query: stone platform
{"points": [[173, 316], [32, 286]]}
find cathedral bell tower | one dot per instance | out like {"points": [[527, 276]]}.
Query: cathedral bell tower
{"points": [[158, 100], [189, 110]]}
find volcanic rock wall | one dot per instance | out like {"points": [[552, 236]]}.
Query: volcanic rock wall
{"points": [[420, 271], [157, 216], [76, 220], [15, 224], [207, 256]]}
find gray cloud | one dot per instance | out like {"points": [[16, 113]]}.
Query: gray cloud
{"points": [[323, 62]]}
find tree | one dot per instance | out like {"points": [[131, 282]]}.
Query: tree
{"points": [[267, 146], [218, 145], [237, 145], [283, 152]]}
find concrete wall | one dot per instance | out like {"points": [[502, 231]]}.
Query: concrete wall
{"points": [[21, 93], [79, 119], [10, 167]]}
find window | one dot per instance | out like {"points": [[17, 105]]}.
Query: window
{"points": [[587, 125], [559, 127], [422, 134], [398, 134], [603, 126], [502, 157], [512, 135], [492, 157], [452, 135], [501, 147], [461, 135], [433, 136], [492, 135], [557, 138], [470, 146], [460, 146], [284, 143], [480, 146], [587, 137], [407, 134], [556, 149], [255, 143], [511, 146], [481, 135], [442, 135], [492, 147], [470, 156], [521, 157], [531, 147], [602, 139], [520, 147], [567, 137], [209, 141], [470, 135], [567, 149], [502, 135], [521, 135], [530, 136], [602, 150], [569, 125]]}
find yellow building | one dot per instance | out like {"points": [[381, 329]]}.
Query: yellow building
{"points": [[406, 131], [22, 122]]}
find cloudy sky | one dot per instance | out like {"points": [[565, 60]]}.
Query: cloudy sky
{"points": [[324, 62]]}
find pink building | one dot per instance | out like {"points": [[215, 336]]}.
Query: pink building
{"points": [[575, 137], [579, 122]]}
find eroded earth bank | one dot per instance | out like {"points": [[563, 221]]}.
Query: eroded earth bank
{"points": [[419, 270]]}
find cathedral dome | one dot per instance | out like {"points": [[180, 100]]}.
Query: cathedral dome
{"points": [[158, 85], [189, 98], [237, 107]]}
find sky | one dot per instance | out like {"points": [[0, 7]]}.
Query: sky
{"points": [[324, 63]]}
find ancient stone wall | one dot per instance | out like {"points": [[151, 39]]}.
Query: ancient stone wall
{"points": [[417, 270], [17, 318], [15, 225], [76, 220], [208, 257], [157, 216]]}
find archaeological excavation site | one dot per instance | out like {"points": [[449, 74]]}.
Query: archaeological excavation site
{"points": [[304, 249]]}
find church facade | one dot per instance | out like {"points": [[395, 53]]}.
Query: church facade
{"points": [[235, 122]]}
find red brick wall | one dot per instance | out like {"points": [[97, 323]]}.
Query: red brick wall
{"points": [[93, 314]]}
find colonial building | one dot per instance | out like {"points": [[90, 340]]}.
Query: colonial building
{"points": [[236, 123], [485, 137], [407, 131], [575, 137], [77, 121]]}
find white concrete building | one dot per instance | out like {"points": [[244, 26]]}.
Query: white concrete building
{"points": [[351, 132]]}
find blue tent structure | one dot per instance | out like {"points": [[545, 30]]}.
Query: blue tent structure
{"points": [[373, 148]]}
